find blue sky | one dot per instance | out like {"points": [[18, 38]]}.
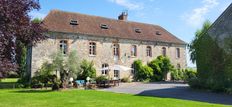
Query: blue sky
{"points": [[180, 17]]}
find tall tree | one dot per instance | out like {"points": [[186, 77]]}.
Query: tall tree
{"points": [[194, 44], [16, 25]]}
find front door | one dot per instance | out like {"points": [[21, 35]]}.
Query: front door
{"points": [[116, 74]]}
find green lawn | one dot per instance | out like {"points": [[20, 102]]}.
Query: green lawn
{"points": [[83, 98]]}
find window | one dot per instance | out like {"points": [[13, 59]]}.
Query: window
{"points": [[116, 49], [164, 51], [177, 52], [133, 69], [63, 47], [137, 30], [105, 69], [92, 48], [149, 51], [158, 33], [133, 50], [104, 26], [178, 66], [73, 22], [116, 73]]}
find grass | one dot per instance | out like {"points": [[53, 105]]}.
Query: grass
{"points": [[84, 98], [8, 83]]}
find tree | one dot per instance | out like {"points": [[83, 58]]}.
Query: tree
{"points": [[86, 70], [16, 25], [194, 44], [68, 67]]}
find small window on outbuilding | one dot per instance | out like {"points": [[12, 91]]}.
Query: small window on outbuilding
{"points": [[73, 22], [104, 26]]}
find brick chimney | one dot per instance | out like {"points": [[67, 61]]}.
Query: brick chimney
{"points": [[123, 16]]}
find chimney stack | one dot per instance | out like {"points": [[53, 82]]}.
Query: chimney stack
{"points": [[123, 16]]}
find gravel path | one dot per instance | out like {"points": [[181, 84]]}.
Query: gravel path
{"points": [[171, 90]]}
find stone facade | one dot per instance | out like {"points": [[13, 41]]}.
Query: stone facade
{"points": [[104, 51]]}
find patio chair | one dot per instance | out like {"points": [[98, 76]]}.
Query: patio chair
{"points": [[80, 83]]}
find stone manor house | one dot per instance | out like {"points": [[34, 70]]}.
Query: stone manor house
{"points": [[106, 42]]}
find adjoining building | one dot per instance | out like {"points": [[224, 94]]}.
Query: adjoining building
{"points": [[106, 42]]}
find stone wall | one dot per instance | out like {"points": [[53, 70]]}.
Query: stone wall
{"points": [[104, 51]]}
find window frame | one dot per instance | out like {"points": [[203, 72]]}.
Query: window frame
{"points": [[133, 51], [149, 51], [92, 49], [105, 72], [63, 45], [177, 52], [116, 49], [133, 69], [116, 73], [164, 51]]}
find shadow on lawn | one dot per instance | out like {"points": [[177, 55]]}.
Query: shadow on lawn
{"points": [[185, 93], [33, 91]]}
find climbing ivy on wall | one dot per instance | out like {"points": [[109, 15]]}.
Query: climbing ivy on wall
{"points": [[214, 63]]}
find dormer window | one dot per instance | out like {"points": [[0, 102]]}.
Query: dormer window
{"points": [[104, 26], [158, 33], [137, 30], [73, 22]]}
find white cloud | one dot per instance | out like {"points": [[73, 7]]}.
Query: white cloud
{"points": [[37, 15], [197, 16], [128, 4]]}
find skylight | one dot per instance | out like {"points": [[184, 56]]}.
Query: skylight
{"points": [[104, 26], [158, 33], [137, 30], [73, 22]]}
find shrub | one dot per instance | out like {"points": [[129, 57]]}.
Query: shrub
{"points": [[87, 70], [143, 72], [125, 79], [161, 66], [195, 83], [101, 78], [184, 74], [56, 86], [41, 81]]}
